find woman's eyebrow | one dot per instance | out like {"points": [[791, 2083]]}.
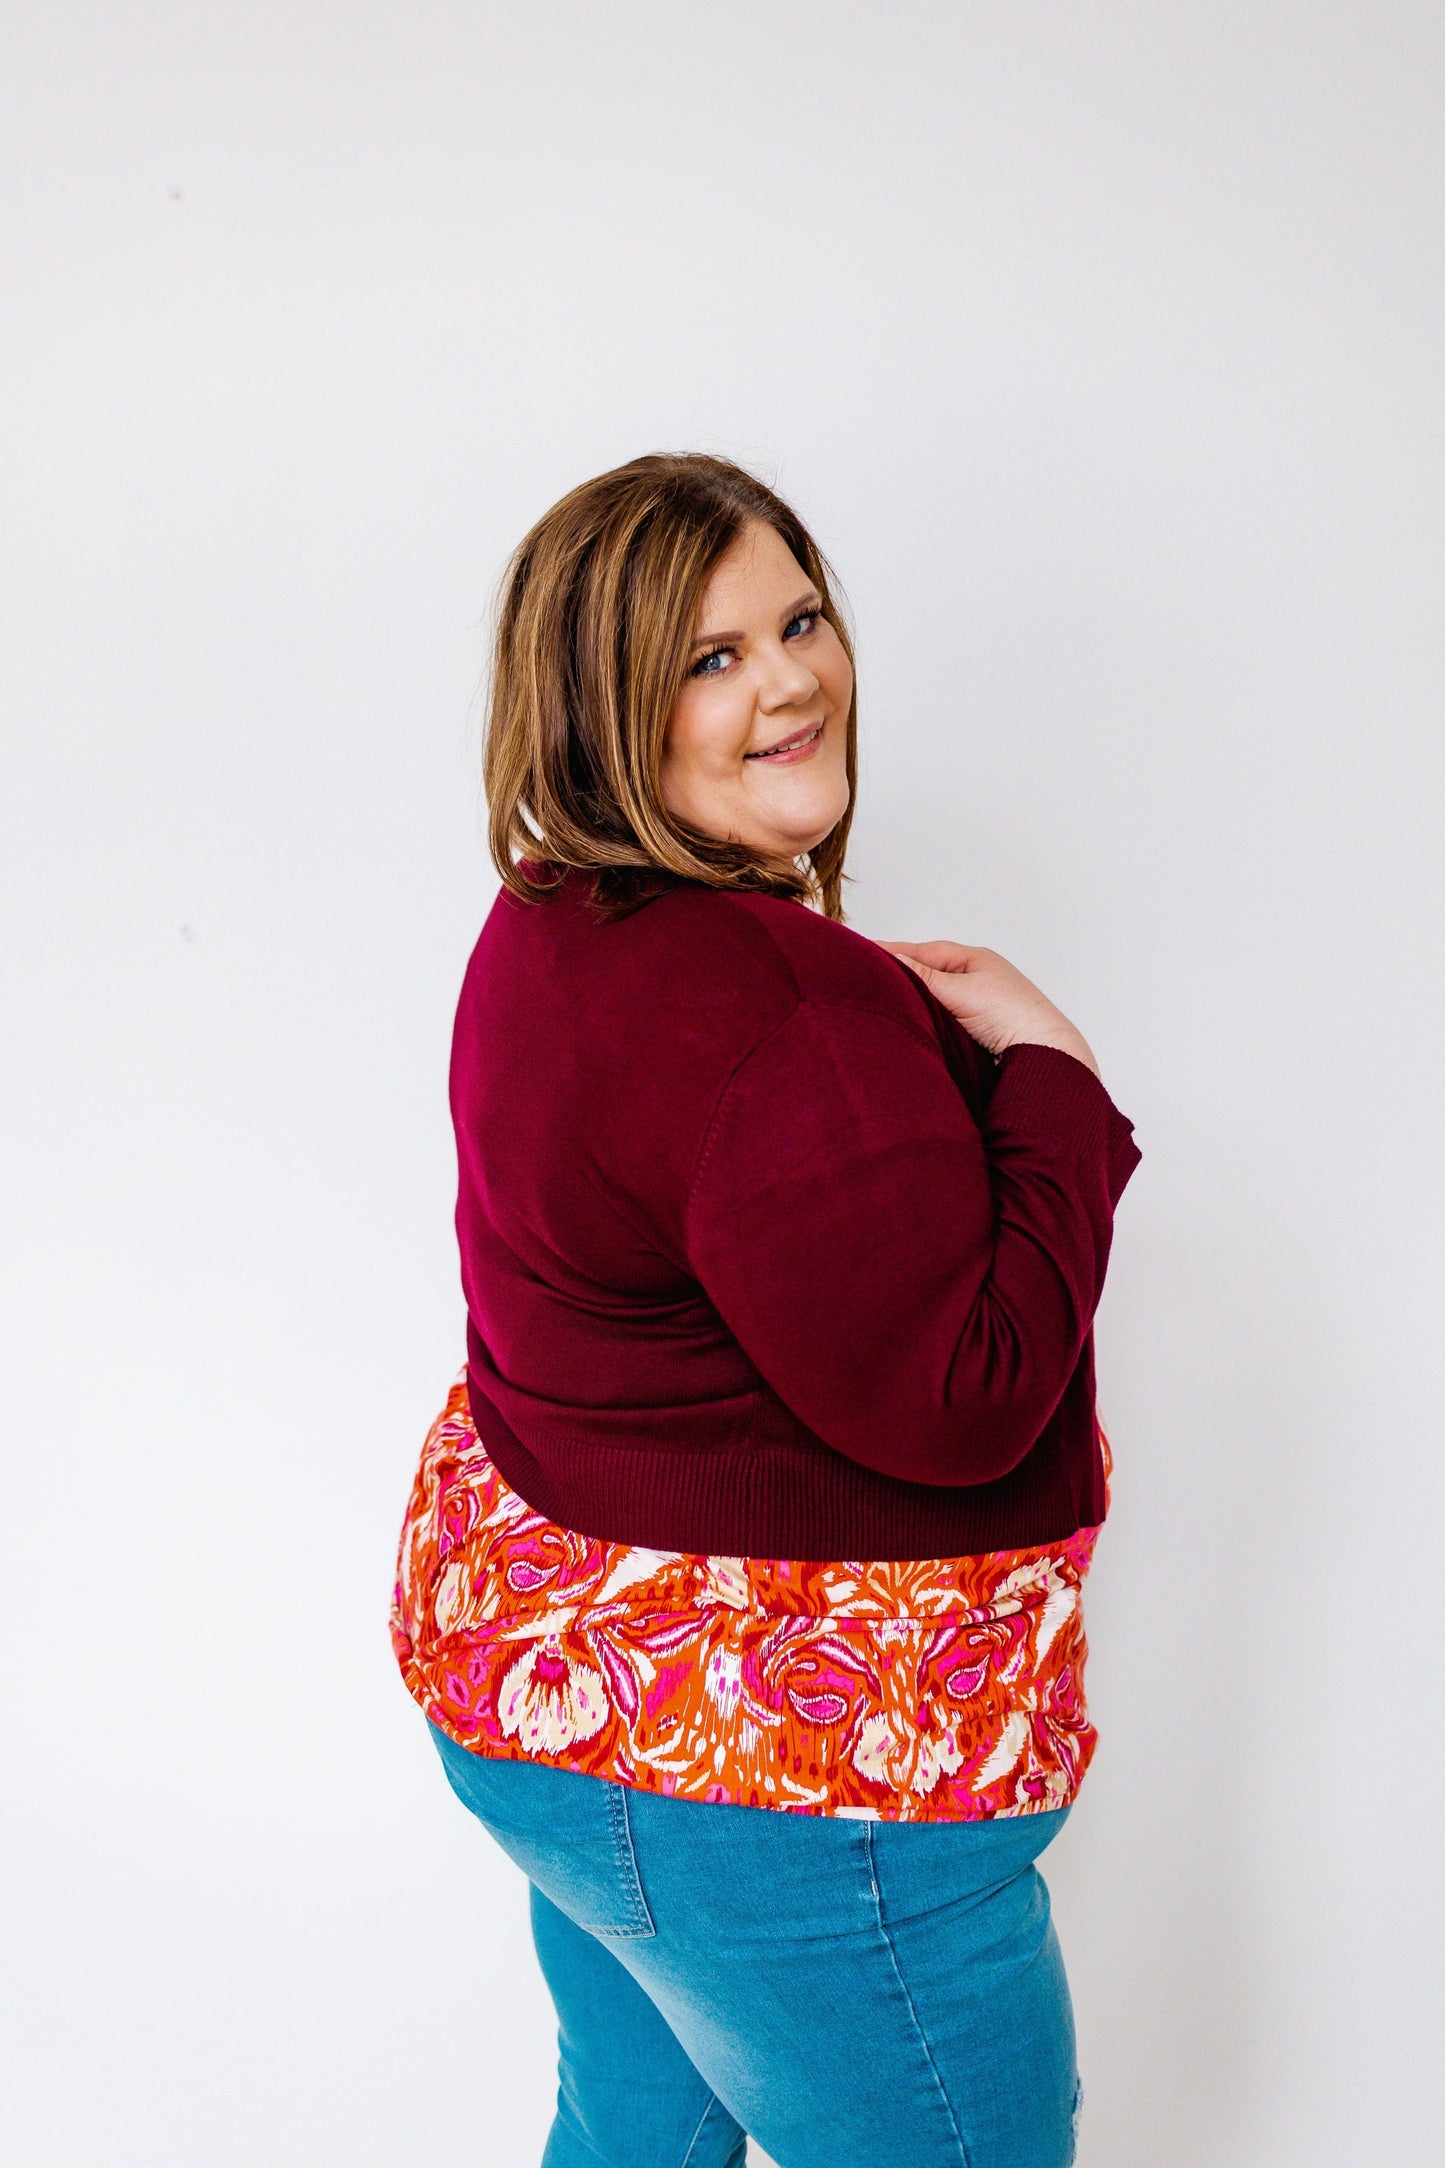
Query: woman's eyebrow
{"points": [[811, 601]]}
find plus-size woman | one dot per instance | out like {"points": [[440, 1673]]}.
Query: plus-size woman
{"points": [[741, 1578]]}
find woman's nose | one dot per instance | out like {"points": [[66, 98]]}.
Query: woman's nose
{"points": [[786, 680]]}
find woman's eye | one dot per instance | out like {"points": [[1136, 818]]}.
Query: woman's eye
{"points": [[710, 665], [806, 620]]}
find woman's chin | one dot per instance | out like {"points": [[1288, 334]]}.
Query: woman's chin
{"points": [[785, 849], [797, 829]]}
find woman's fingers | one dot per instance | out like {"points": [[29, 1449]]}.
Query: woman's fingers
{"points": [[937, 955], [992, 1000], [908, 954]]}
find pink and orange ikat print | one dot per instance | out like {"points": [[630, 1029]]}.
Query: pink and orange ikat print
{"points": [[923, 1690]]}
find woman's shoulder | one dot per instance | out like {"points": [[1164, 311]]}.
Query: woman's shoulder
{"points": [[781, 950], [747, 959], [827, 961]]}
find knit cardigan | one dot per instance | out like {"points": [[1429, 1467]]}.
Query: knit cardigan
{"points": [[762, 1254]]}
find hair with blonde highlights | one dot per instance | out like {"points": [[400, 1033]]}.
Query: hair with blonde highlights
{"points": [[598, 613]]}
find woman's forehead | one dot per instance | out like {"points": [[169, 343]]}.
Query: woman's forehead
{"points": [[751, 574]]}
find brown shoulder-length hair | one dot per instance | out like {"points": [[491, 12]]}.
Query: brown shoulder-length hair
{"points": [[595, 629]]}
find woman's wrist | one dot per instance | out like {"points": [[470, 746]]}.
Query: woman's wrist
{"points": [[1064, 1041]]}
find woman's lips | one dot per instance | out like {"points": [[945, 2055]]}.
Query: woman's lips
{"points": [[791, 749]]}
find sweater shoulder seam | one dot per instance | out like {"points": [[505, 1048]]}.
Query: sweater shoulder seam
{"points": [[804, 1001], [709, 1134], [926, 1039], [806, 997]]}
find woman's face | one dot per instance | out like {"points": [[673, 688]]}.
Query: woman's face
{"points": [[755, 751]]}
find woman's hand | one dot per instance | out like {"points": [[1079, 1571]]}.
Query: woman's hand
{"points": [[994, 1003]]}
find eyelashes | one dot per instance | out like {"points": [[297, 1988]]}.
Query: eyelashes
{"points": [[808, 619], [700, 667]]}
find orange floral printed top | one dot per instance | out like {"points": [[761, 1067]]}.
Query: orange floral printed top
{"points": [[937, 1689]]}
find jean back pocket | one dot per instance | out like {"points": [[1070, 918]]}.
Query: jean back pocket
{"points": [[570, 1834]]}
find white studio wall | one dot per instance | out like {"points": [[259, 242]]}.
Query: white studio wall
{"points": [[1103, 345]]}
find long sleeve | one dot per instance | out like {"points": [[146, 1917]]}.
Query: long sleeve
{"points": [[917, 1289]]}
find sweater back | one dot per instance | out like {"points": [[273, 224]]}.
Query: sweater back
{"points": [[762, 1255]]}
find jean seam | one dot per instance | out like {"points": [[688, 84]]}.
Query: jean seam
{"points": [[701, 2127], [908, 1999], [642, 1923]]}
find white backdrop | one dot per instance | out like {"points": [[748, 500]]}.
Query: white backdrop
{"points": [[1103, 344]]}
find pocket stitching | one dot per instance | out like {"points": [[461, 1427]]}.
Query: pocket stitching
{"points": [[626, 1857]]}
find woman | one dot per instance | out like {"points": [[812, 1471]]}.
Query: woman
{"points": [[740, 1581]]}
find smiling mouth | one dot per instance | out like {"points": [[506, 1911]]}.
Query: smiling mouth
{"points": [[799, 742]]}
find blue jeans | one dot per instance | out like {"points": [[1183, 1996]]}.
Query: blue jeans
{"points": [[855, 1994]]}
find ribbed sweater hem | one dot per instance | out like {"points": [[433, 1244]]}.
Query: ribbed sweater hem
{"points": [[784, 1501]]}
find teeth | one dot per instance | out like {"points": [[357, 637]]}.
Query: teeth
{"points": [[789, 745]]}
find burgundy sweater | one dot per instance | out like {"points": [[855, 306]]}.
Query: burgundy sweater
{"points": [[762, 1254]]}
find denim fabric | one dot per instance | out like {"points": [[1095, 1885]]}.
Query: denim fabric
{"points": [[855, 1994]]}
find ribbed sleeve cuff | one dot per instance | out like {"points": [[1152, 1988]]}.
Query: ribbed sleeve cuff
{"points": [[1045, 1092]]}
